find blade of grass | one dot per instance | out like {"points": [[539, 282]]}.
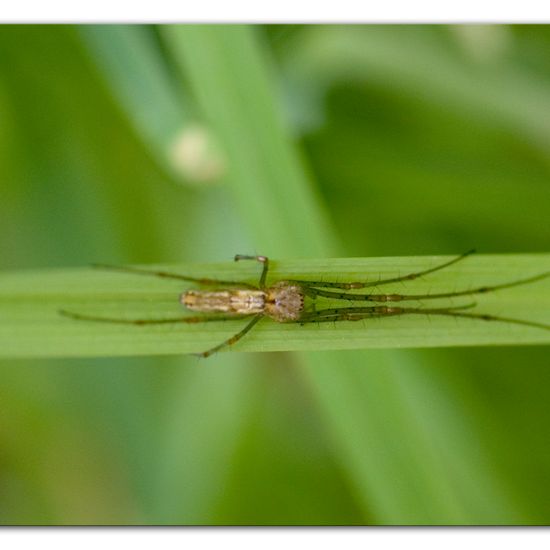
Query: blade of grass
{"points": [[30, 325], [130, 61], [411, 441], [199, 440], [227, 69]]}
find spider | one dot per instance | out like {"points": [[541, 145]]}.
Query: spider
{"points": [[284, 301]]}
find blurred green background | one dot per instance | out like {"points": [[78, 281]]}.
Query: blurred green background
{"points": [[165, 144]]}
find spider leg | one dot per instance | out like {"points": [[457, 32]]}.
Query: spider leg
{"points": [[263, 260], [167, 275], [359, 313], [140, 322], [359, 285], [234, 339], [314, 292]]}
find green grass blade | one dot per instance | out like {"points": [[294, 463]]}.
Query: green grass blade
{"points": [[230, 74], [30, 325], [198, 441], [411, 442], [131, 63]]}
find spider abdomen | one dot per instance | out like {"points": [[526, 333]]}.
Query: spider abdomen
{"points": [[232, 301]]}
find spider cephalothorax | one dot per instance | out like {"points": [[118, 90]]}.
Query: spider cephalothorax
{"points": [[284, 302]]}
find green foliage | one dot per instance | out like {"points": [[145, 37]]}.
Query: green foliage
{"points": [[324, 142]]}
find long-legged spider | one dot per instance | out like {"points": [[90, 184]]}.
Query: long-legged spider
{"points": [[284, 301]]}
